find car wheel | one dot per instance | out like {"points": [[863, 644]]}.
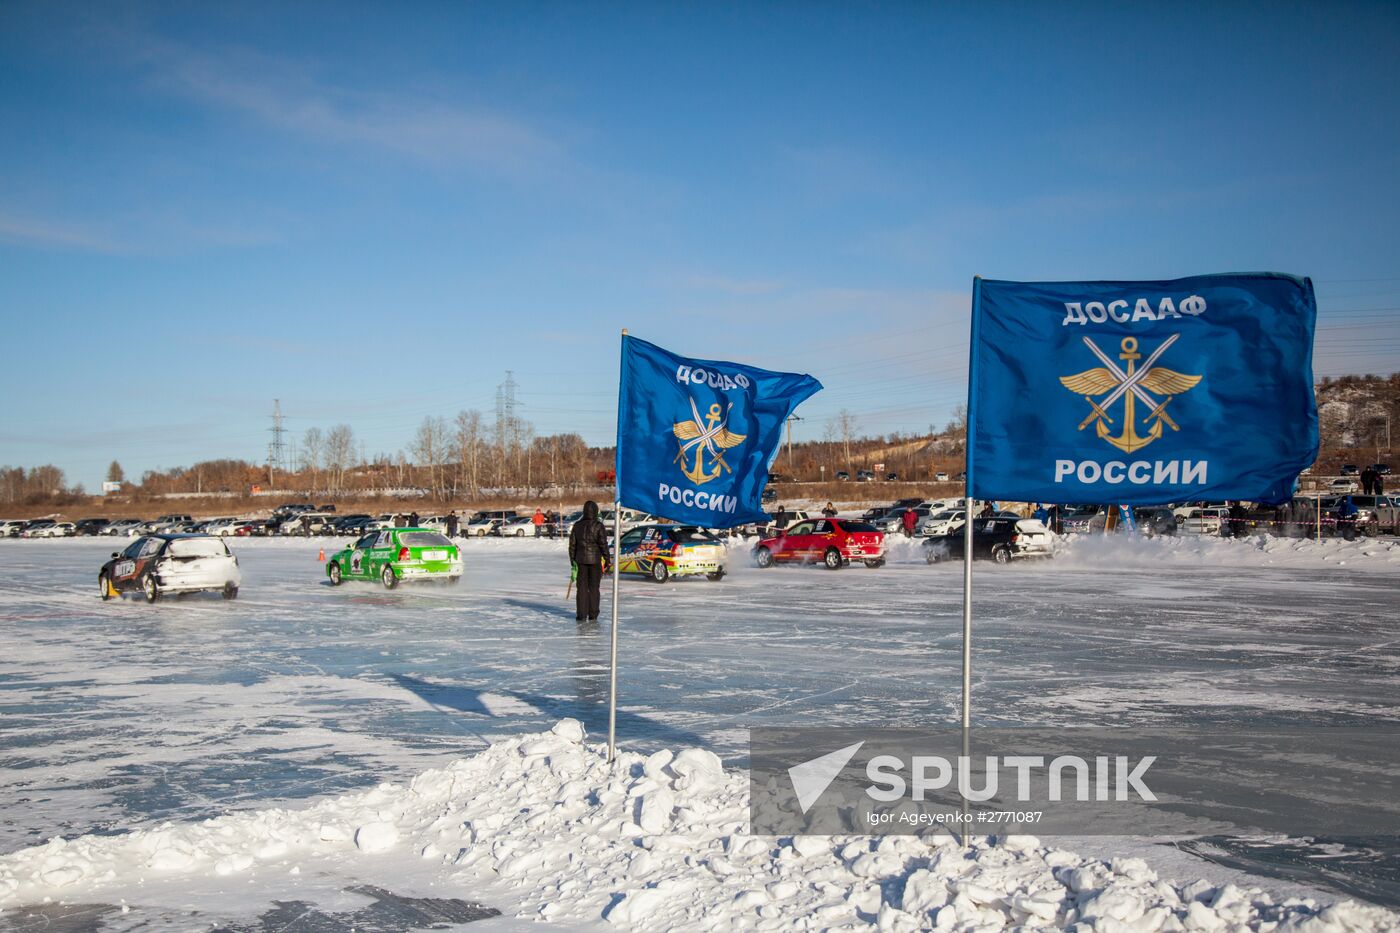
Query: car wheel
{"points": [[715, 577], [453, 581], [104, 587], [334, 573], [149, 587], [875, 564], [229, 591], [387, 577], [1002, 555], [931, 555], [763, 557], [832, 559], [659, 571]]}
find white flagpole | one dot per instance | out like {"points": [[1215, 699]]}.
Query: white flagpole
{"points": [[617, 553]]}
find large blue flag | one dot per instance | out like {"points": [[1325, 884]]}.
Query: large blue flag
{"points": [[1141, 393], [695, 437]]}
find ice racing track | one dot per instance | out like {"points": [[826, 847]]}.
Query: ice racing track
{"points": [[124, 714]]}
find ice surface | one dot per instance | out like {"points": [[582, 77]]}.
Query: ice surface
{"points": [[119, 715]]}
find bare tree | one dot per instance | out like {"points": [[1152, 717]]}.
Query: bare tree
{"points": [[340, 452], [466, 447], [843, 426], [430, 450], [312, 445]]}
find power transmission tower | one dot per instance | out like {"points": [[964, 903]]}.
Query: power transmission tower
{"points": [[276, 448]]}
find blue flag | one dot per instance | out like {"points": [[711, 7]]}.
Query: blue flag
{"points": [[1141, 393], [695, 437]]}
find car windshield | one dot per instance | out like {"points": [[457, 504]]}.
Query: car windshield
{"points": [[945, 516], [851, 526], [423, 539], [198, 547]]}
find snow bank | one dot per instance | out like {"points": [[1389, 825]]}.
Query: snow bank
{"points": [[1254, 551], [655, 842]]}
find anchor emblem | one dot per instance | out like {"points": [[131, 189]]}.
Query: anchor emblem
{"points": [[714, 437], [1132, 386]]}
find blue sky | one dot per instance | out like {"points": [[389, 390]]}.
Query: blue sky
{"points": [[372, 212]]}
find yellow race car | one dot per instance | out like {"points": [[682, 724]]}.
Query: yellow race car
{"points": [[664, 551]]}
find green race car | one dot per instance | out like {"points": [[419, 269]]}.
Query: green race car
{"points": [[397, 554]]}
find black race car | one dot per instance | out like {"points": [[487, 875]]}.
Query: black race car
{"points": [[1001, 539], [154, 565]]}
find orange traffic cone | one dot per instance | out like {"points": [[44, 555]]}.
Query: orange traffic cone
{"points": [[321, 555]]}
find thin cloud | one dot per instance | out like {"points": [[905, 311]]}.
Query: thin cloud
{"points": [[289, 99], [31, 231]]}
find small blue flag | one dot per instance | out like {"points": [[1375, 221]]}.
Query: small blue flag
{"points": [[695, 437], [1142, 393]]}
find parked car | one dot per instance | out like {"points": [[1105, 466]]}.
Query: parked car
{"points": [[11, 527], [1208, 521], [395, 555], [1155, 520], [121, 527], [1382, 468], [155, 565], [892, 522], [252, 528], [769, 494], [480, 526], [522, 526], [940, 477], [1374, 514], [1342, 486], [1076, 519], [891, 477], [90, 526], [1349, 469], [842, 476], [834, 542], [51, 530], [1000, 539], [864, 476], [948, 521], [37, 528], [664, 551]]}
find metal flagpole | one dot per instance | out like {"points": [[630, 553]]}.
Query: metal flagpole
{"points": [[617, 552], [967, 551]]}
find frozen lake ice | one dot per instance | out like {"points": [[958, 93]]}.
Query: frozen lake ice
{"points": [[123, 714]]}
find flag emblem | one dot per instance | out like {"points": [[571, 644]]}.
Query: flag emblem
{"points": [[712, 437], [1134, 384]]}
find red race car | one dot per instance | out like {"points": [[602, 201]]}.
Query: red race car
{"points": [[833, 541]]}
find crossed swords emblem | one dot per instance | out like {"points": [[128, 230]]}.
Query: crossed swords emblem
{"points": [[1134, 384], [713, 436]]}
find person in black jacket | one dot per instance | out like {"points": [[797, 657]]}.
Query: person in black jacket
{"points": [[588, 551]]}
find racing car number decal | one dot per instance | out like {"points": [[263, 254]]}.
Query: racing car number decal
{"points": [[355, 560], [124, 568]]}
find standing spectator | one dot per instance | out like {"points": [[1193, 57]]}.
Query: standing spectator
{"points": [[306, 524], [909, 520], [588, 551], [988, 511], [1238, 520], [1041, 513], [1346, 518], [829, 510], [413, 519], [400, 521], [1368, 481], [1378, 484], [538, 521], [452, 524], [780, 518]]}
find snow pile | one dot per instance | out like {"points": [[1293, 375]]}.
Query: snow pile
{"points": [[1254, 551], [658, 842]]}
